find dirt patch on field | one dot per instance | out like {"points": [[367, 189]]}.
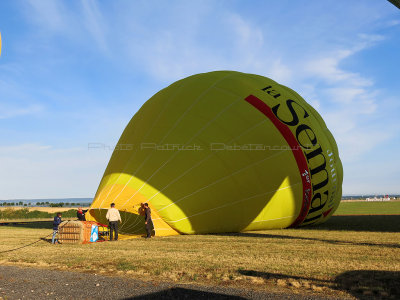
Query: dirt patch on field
{"points": [[32, 283]]}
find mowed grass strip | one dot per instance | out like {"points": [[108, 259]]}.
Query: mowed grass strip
{"points": [[369, 208], [12, 214]]}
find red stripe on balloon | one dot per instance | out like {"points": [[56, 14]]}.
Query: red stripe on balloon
{"points": [[327, 212], [296, 150]]}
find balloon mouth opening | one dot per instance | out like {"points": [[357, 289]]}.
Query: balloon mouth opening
{"points": [[132, 223]]}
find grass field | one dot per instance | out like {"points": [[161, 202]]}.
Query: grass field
{"points": [[347, 256], [368, 208], [51, 210], [35, 213]]}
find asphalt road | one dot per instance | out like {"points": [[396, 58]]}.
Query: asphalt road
{"points": [[32, 283]]}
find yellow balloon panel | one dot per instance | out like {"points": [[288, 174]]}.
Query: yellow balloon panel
{"points": [[122, 189], [223, 152]]}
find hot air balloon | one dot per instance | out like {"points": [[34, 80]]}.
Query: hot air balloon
{"points": [[222, 152]]}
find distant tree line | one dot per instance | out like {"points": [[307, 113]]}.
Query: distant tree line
{"points": [[13, 204], [46, 204]]}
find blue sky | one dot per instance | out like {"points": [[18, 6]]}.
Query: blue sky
{"points": [[75, 72]]}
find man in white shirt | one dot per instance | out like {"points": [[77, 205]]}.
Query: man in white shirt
{"points": [[113, 217]]}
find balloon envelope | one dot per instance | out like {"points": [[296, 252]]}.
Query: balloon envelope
{"points": [[222, 152]]}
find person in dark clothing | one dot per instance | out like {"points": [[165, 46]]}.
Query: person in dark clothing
{"points": [[57, 221], [81, 214], [142, 209], [147, 220]]}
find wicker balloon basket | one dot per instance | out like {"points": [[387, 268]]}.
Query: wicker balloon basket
{"points": [[81, 232]]}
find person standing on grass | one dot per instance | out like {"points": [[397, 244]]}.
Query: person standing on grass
{"points": [[57, 221], [147, 220], [113, 218]]}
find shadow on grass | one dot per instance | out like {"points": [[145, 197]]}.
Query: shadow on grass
{"points": [[184, 293], [35, 224], [367, 284], [362, 284], [372, 223], [48, 240], [289, 237]]}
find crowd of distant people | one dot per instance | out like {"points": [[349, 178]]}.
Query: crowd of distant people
{"points": [[114, 218]]}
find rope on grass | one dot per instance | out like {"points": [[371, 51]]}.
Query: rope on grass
{"points": [[10, 250]]}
